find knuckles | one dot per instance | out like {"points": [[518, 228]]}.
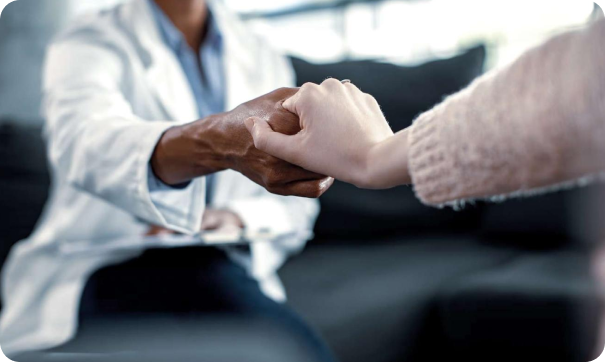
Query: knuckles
{"points": [[309, 90], [369, 97], [310, 93], [331, 82], [272, 177], [281, 93], [308, 87]]}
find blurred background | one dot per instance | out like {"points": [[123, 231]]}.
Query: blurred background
{"points": [[385, 279], [400, 32]]}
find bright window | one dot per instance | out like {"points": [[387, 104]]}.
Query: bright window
{"points": [[401, 31]]}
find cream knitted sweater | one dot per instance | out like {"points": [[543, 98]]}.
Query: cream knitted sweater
{"points": [[535, 125]]}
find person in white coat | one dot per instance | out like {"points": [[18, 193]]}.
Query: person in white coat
{"points": [[122, 90]]}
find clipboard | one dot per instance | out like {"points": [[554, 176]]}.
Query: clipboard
{"points": [[224, 237]]}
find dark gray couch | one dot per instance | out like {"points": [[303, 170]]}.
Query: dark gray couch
{"points": [[387, 279]]}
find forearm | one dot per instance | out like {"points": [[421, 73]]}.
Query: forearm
{"points": [[536, 123]]}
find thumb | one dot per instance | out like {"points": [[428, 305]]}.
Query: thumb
{"points": [[271, 142]]}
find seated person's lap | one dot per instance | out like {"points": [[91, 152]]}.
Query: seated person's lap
{"points": [[188, 300]]}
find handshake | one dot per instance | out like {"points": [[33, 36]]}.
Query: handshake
{"points": [[292, 141]]}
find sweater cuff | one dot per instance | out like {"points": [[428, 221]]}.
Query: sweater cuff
{"points": [[430, 168]]}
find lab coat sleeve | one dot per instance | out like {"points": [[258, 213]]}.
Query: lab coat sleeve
{"points": [[172, 200], [290, 218], [96, 142]]}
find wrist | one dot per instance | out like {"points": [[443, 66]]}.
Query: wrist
{"points": [[188, 151], [367, 175], [386, 163], [160, 159], [212, 141]]}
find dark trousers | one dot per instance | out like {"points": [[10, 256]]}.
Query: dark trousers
{"points": [[186, 304]]}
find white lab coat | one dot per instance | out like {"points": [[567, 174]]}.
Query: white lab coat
{"points": [[111, 89]]}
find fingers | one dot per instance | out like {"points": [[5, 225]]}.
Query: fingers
{"points": [[297, 173], [155, 230], [311, 189], [291, 103], [210, 222], [311, 93], [353, 91], [271, 142]]}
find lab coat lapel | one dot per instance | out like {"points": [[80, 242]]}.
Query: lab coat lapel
{"points": [[240, 58], [164, 74], [172, 89]]}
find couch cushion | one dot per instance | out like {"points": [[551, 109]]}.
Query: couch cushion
{"points": [[536, 307], [375, 301], [560, 218]]}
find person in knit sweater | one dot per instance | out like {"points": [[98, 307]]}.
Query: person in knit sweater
{"points": [[534, 126]]}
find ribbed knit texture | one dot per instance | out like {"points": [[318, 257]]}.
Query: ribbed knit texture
{"points": [[536, 123]]}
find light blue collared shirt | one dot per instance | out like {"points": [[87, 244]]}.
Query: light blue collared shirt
{"points": [[204, 71]]}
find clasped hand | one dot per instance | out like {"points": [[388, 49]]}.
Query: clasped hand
{"points": [[221, 142], [343, 134]]}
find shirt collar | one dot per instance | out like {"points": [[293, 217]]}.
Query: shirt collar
{"points": [[174, 38]]}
